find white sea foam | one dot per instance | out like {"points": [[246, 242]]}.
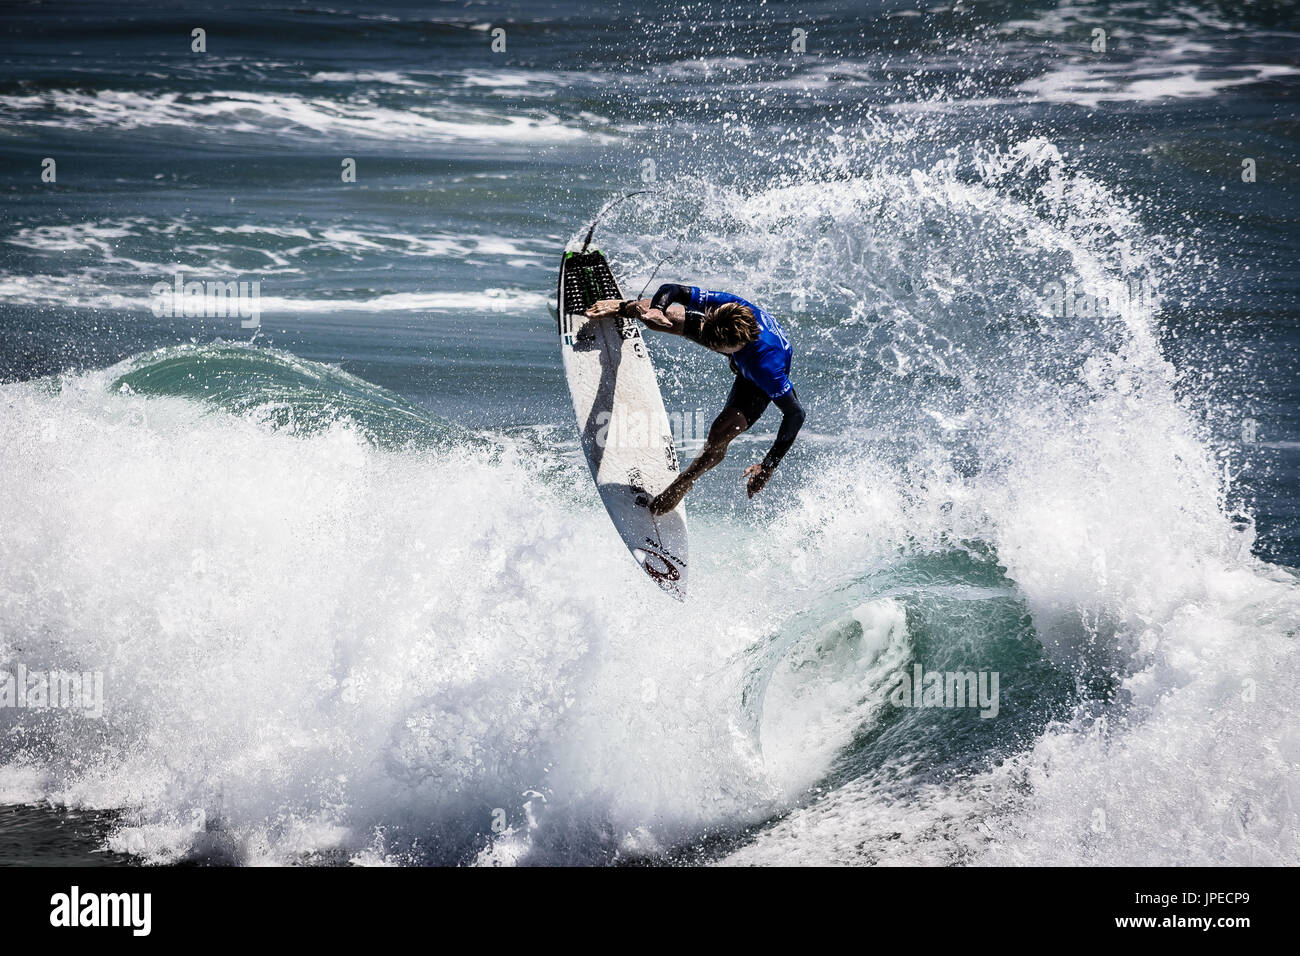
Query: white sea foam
{"points": [[71, 291], [1175, 60], [389, 77], [103, 273], [1104, 501], [251, 112], [315, 643], [1089, 85], [331, 648]]}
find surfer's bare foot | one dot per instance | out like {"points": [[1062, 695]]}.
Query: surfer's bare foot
{"points": [[668, 499]]}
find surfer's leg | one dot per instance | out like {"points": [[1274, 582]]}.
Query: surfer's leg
{"points": [[730, 423], [745, 403], [748, 399]]}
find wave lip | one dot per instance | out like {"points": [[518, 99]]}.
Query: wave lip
{"points": [[278, 390]]}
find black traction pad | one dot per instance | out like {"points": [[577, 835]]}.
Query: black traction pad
{"points": [[587, 279]]}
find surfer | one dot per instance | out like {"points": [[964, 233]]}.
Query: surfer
{"points": [[760, 356]]}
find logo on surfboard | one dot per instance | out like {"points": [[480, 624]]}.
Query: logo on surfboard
{"points": [[668, 572]]}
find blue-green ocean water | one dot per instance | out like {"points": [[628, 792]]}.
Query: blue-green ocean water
{"points": [[345, 577]]}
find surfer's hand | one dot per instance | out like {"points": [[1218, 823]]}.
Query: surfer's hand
{"points": [[603, 308], [758, 476], [657, 319]]}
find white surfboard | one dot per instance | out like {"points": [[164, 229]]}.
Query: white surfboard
{"points": [[621, 419]]}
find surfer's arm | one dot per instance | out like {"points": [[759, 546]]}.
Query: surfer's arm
{"points": [[670, 319], [606, 307], [671, 311], [792, 420]]}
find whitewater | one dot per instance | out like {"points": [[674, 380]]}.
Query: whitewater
{"points": [[335, 627]]}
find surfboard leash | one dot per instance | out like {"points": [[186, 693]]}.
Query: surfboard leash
{"points": [[677, 248], [606, 208], [591, 231]]}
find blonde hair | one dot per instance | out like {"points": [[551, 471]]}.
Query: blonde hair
{"points": [[730, 325]]}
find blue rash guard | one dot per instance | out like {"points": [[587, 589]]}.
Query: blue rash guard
{"points": [[763, 365], [764, 361]]}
